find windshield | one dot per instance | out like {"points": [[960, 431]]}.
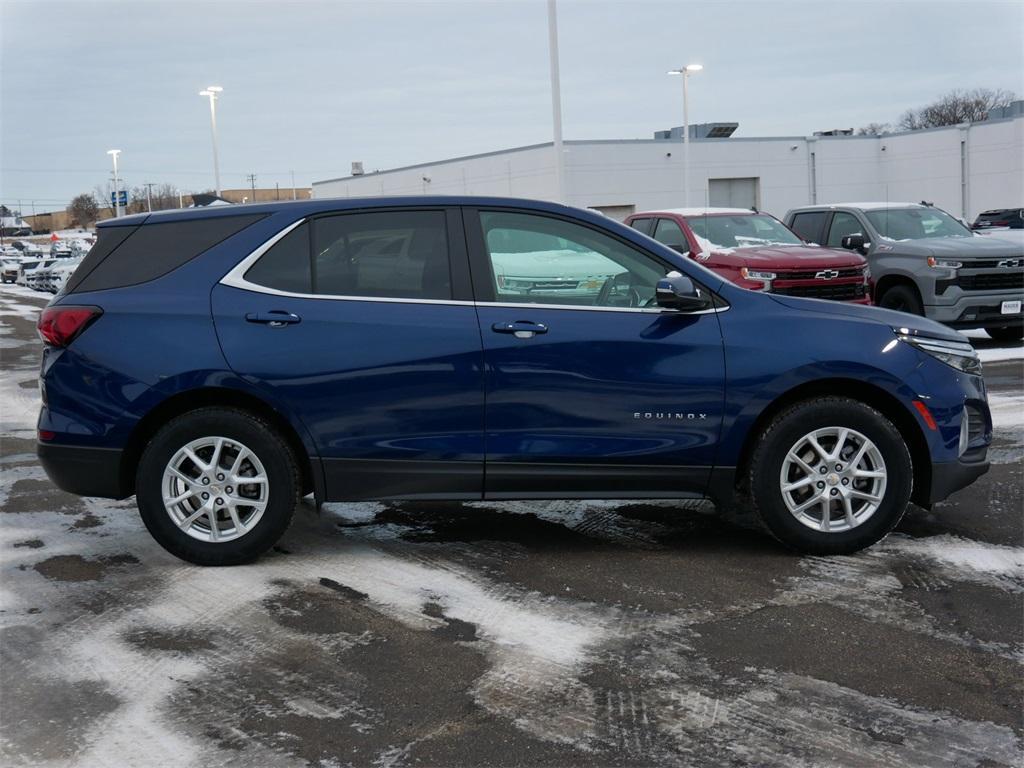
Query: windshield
{"points": [[916, 224], [742, 231]]}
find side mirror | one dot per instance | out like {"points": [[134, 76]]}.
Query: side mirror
{"points": [[675, 291], [853, 242]]}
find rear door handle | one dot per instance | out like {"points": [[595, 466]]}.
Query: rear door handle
{"points": [[275, 318], [521, 329]]}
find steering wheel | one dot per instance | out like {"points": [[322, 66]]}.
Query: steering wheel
{"points": [[618, 291]]}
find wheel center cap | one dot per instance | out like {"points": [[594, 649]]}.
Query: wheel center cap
{"points": [[832, 479]]}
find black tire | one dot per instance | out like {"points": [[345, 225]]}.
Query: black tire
{"points": [[902, 298], [783, 433], [1007, 332], [278, 460]]}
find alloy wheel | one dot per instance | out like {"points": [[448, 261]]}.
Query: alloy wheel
{"points": [[215, 489], [833, 479]]}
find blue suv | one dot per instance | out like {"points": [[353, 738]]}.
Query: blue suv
{"points": [[221, 364]]}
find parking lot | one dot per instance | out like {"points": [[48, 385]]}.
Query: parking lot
{"points": [[521, 633]]}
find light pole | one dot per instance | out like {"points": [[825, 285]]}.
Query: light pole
{"points": [[117, 184], [556, 102], [685, 72], [211, 92]]}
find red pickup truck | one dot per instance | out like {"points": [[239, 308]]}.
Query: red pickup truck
{"points": [[757, 251]]}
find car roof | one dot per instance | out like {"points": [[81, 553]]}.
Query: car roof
{"points": [[322, 205], [863, 206], [698, 211]]}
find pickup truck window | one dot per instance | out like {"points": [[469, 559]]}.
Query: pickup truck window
{"points": [[742, 231], [916, 223], [843, 224], [671, 234], [808, 225]]}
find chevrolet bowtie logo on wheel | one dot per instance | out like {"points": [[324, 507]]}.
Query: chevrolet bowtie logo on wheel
{"points": [[1011, 263], [827, 274]]}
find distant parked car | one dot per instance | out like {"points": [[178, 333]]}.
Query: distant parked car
{"points": [[60, 273], [35, 278], [9, 269], [1011, 218], [757, 251], [925, 262], [26, 266]]}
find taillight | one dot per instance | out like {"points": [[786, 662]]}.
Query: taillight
{"points": [[59, 326]]}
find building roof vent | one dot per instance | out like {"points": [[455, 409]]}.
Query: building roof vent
{"points": [[357, 168], [701, 131]]}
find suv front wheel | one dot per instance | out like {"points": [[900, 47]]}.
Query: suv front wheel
{"points": [[830, 476], [217, 486]]}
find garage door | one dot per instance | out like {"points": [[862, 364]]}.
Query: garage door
{"points": [[733, 193]]}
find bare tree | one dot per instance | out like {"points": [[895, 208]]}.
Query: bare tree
{"points": [[955, 107], [83, 209], [874, 129]]}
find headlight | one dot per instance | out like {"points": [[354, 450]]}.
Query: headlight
{"points": [[753, 274], [944, 263], [957, 354]]}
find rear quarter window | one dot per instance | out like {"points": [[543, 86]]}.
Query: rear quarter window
{"points": [[809, 225], [150, 251], [645, 225]]}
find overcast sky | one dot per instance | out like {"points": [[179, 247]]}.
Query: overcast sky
{"points": [[311, 87]]}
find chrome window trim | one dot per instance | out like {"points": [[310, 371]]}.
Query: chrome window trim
{"points": [[235, 278]]}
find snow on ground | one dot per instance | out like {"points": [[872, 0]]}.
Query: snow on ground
{"points": [[620, 676]]}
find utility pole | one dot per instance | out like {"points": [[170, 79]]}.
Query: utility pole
{"points": [[556, 102], [149, 196], [293, 185], [252, 183], [277, 186]]}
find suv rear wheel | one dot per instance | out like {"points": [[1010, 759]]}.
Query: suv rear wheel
{"points": [[217, 486], [830, 476], [1007, 332]]}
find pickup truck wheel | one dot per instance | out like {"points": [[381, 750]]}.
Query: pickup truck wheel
{"points": [[217, 486], [1007, 332], [902, 298], [830, 476]]}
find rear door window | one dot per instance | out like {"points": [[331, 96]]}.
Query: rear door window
{"points": [[286, 265], [643, 225], [843, 224], [386, 254], [809, 225], [671, 234]]}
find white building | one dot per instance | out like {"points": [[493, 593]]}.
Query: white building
{"points": [[962, 169]]}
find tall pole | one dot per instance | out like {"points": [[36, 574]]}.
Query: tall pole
{"points": [[149, 196], [212, 92], [293, 185], [117, 184], [685, 72], [252, 181], [686, 139], [556, 102]]}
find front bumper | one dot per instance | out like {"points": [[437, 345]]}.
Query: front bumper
{"points": [[84, 471], [950, 476]]}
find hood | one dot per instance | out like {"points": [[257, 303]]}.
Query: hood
{"points": [[977, 247], [917, 326], [801, 256]]}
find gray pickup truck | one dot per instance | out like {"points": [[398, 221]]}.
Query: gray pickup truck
{"points": [[926, 262]]}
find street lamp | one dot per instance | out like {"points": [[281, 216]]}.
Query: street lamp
{"points": [[685, 72], [117, 184], [212, 92]]}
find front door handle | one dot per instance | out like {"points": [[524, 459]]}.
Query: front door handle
{"points": [[275, 318], [521, 329]]}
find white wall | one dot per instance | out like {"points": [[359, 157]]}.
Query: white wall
{"points": [[923, 165]]}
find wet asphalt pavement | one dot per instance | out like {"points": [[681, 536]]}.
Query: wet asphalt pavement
{"points": [[540, 634]]}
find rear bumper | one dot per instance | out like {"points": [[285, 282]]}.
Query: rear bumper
{"points": [[84, 471], [950, 476]]}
